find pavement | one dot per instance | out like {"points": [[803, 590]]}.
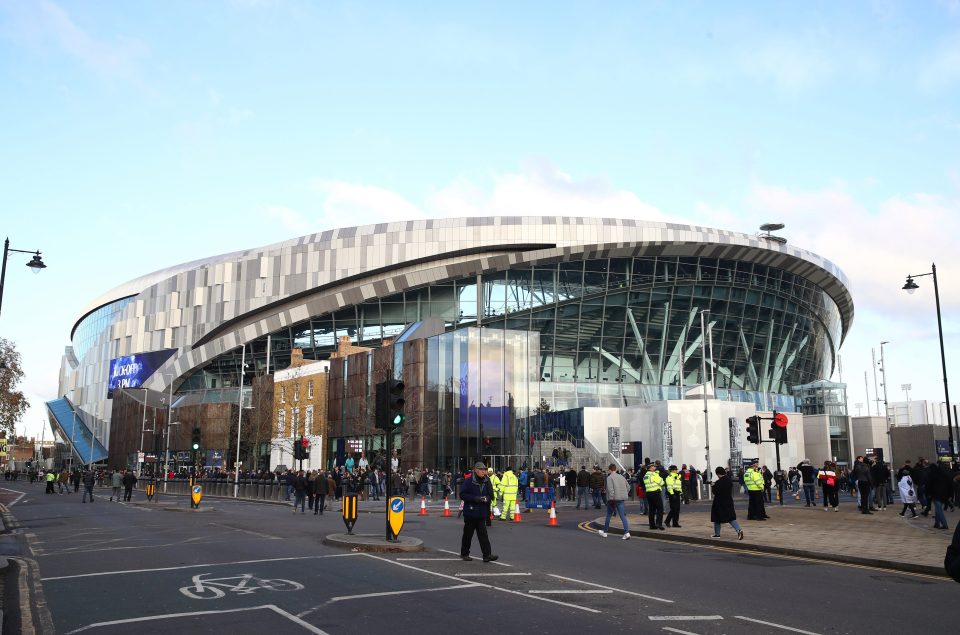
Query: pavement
{"points": [[883, 539]]}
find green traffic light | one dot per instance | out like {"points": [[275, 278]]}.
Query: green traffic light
{"points": [[397, 419], [196, 446]]}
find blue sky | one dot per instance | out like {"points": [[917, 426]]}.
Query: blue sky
{"points": [[138, 135]]}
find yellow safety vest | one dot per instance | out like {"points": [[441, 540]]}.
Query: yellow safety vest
{"points": [[509, 485], [753, 479], [50, 476], [652, 482], [495, 484], [674, 484]]}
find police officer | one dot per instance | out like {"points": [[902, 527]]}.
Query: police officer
{"points": [[476, 494], [753, 481], [509, 486], [674, 491], [653, 486]]}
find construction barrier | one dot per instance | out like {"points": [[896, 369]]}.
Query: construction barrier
{"points": [[539, 498]]}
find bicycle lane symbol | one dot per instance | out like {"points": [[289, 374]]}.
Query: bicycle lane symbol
{"points": [[204, 588]]}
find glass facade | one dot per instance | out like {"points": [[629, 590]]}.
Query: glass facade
{"points": [[91, 326], [611, 331]]}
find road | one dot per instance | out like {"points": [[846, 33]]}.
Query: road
{"points": [[243, 567]]}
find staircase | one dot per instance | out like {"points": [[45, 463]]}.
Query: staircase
{"points": [[578, 455]]}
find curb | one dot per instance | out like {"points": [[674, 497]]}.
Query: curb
{"points": [[737, 545]]}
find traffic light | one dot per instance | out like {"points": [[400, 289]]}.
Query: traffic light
{"points": [[778, 428], [753, 429], [389, 405], [195, 439]]}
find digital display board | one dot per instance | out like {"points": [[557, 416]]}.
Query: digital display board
{"points": [[132, 370]]}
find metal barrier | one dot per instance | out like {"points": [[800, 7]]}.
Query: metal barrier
{"points": [[539, 497]]}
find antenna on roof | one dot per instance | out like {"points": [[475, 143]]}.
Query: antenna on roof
{"points": [[772, 227]]}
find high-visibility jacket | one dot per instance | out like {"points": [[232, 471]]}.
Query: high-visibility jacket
{"points": [[753, 480], [51, 477], [495, 483], [652, 482], [509, 485], [674, 483]]}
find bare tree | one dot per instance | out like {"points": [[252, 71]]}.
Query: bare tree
{"points": [[13, 403]]}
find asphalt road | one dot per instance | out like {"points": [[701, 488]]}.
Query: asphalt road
{"points": [[240, 567]]}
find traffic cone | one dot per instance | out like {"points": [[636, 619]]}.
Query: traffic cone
{"points": [[553, 516], [446, 507], [423, 507], [516, 512]]}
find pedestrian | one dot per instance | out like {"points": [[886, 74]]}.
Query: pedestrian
{"points": [[617, 490], [951, 562], [299, 492], [754, 482], [767, 482], [89, 478], [129, 480], [861, 474], [722, 509], [880, 475], [583, 483], [596, 485], [509, 484], [908, 495], [476, 494], [809, 477], [939, 491], [674, 484], [116, 480], [829, 482], [653, 486]]}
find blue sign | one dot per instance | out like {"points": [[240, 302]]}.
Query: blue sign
{"points": [[132, 370], [196, 489], [396, 505]]}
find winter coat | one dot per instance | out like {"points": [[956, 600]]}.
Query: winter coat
{"points": [[722, 509], [471, 492], [908, 493], [617, 489]]}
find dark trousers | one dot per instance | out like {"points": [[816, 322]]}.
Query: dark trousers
{"points": [[319, 503], [478, 525], [127, 493], [655, 509], [755, 509], [864, 488], [300, 500], [674, 514], [830, 498]]}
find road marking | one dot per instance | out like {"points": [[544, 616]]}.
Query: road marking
{"points": [[572, 591], [276, 609], [683, 618], [15, 491], [457, 553], [485, 575], [677, 630], [196, 566], [385, 593], [488, 586], [601, 586], [786, 628], [427, 559], [246, 531]]}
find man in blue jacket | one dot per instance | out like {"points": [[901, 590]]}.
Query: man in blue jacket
{"points": [[476, 493]]}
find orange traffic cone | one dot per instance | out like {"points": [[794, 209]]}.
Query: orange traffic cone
{"points": [[423, 507], [553, 516], [516, 512], [446, 507]]}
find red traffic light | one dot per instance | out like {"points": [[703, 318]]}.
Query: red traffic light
{"points": [[305, 442], [780, 419]]}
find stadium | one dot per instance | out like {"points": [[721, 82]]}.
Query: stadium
{"points": [[515, 317]]}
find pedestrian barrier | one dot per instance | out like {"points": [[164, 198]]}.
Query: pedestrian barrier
{"points": [[553, 516], [539, 497]]}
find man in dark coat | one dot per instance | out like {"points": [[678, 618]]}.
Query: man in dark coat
{"points": [[129, 480], [722, 509], [476, 493]]}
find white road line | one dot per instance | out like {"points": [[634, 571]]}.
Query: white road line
{"points": [[343, 598], [683, 618], [275, 609], [786, 628], [485, 575], [457, 553], [601, 586], [427, 559], [246, 531], [571, 591], [15, 491], [197, 566], [677, 630], [489, 586]]}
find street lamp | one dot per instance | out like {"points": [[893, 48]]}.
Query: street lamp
{"points": [[910, 287], [35, 264], [236, 463], [166, 454]]}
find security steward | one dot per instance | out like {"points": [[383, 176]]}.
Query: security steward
{"points": [[509, 486], [476, 494], [674, 494], [753, 481], [653, 486], [495, 482]]}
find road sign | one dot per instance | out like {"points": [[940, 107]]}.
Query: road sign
{"points": [[3, 447], [395, 515], [350, 511], [196, 494]]}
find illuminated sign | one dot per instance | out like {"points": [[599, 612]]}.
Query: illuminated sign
{"points": [[132, 370]]}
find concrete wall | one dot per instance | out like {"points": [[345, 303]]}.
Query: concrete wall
{"points": [[912, 442], [870, 432]]}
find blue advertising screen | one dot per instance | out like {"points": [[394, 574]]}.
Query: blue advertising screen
{"points": [[131, 371]]}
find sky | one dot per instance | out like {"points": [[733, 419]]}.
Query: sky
{"points": [[138, 135]]}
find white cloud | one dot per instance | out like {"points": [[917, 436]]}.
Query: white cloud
{"points": [[289, 218]]}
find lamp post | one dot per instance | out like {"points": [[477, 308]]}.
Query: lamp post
{"points": [[703, 377], [35, 264], [166, 453], [886, 406], [236, 463], [910, 287]]}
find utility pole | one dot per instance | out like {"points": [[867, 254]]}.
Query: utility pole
{"points": [[876, 389], [703, 377]]}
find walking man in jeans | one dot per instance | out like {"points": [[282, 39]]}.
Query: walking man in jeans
{"points": [[88, 480], [808, 475], [617, 492], [583, 482]]}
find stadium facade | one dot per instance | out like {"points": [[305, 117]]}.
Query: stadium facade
{"points": [[568, 312]]}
